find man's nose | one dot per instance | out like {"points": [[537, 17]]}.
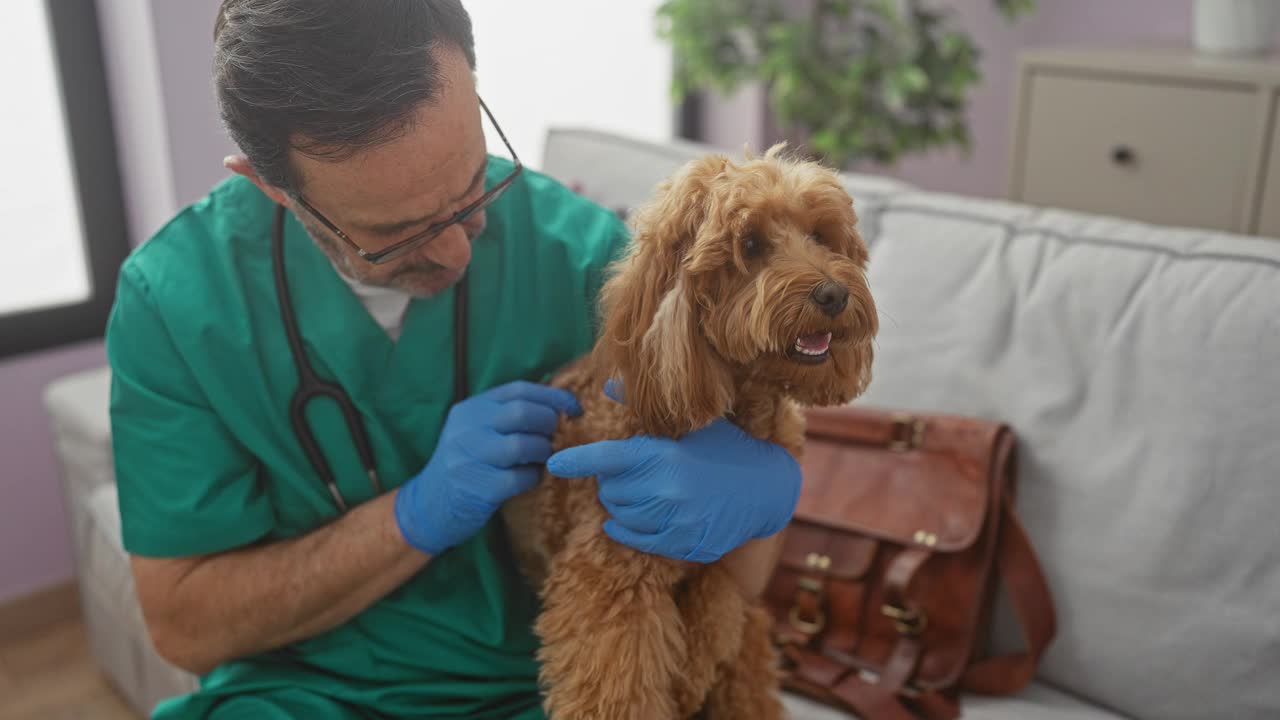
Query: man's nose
{"points": [[452, 249]]}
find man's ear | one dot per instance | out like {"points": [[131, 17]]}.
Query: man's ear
{"points": [[239, 164]]}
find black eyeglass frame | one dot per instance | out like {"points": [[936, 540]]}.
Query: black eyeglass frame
{"points": [[415, 241]]}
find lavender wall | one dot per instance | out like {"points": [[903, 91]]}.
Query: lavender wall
{"points": [[34, 542], [158, 55], [1056, 22]]}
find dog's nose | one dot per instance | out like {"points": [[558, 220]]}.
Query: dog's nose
{"points": [[830, 297]]}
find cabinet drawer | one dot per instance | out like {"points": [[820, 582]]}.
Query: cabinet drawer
{"points": [[1156, 152]]}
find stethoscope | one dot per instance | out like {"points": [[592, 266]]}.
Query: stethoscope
{"points": [[311, 386]]}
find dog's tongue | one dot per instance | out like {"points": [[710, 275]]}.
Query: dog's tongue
{"points": [[817, 343]]}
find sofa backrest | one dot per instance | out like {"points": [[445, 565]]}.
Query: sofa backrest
{"points": [[620, 172], [1140, 367]]}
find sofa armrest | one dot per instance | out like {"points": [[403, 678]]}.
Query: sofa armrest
{"points": [[80, 424]]}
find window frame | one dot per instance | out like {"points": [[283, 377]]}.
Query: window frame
{"points": [[86, 105]]}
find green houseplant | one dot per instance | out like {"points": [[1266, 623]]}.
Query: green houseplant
{"points": [[863, 80]]}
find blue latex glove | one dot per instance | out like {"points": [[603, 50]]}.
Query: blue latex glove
{"points": [[696, 498], [491, 449]]}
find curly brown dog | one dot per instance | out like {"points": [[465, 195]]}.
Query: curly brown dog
{"points": [[744, 296]]}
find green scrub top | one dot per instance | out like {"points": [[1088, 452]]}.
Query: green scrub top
{"points": [[206, 459]]}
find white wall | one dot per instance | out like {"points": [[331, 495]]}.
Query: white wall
{"points": [[197, 140], [591, 63], [159, 63], [139, 113]]}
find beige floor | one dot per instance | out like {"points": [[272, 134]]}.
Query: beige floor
{"points": [[49, 676]]}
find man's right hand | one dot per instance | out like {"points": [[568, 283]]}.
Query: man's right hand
{"points": [[491, 449]]}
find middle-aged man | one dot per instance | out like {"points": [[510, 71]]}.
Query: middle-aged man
{"points": [[361, 122]]}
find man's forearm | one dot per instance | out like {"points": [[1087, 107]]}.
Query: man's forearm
{"points": [[255, 599]]}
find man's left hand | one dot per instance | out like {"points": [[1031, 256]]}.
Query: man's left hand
{"points": [[696, 498]]}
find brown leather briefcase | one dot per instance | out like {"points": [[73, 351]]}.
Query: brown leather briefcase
{"points": [[884, 592]]}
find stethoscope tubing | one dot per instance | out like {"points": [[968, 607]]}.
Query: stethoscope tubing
{"points": [[312, 386]]}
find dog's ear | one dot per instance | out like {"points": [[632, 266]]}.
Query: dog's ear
{"points": [[679, 207], [673, 380]]}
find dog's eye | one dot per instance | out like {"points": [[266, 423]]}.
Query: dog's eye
{"points": [[817, 237], [752, 246]]}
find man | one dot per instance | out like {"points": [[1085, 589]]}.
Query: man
{"points": [[362, 120]]}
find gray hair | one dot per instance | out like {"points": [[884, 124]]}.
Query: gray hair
{"points": [[328, 78]]}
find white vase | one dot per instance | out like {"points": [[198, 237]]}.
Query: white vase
{"points": [[1236, 27]]}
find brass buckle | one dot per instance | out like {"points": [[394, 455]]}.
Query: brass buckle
{"points": [[908, 433], [818, 562], [808, 627], [908, 621], [816, 625]]}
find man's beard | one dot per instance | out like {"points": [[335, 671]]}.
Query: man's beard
{"points": [[423, 278], [416, 276], [416, 267]]}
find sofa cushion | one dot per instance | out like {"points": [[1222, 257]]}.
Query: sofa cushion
{"points": [[1140, 367], [1036, 702], [620, 173]]}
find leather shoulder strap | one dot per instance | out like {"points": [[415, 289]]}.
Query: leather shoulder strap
{"points": [[1032, 603]]}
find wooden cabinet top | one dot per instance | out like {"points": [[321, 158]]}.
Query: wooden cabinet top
{"points": [[1157, 63]]}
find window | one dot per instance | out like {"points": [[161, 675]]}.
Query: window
{"points": [[62, 226]]}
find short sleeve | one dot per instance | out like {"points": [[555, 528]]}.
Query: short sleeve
{"points": [[186, 485]]}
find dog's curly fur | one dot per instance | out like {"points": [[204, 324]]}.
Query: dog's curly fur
{"points": [[699, 322]]}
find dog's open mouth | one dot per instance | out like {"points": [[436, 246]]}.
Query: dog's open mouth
{"points": [[811, 349]]}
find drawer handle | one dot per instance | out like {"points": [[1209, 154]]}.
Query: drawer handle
{"points": [[1123, 155]]}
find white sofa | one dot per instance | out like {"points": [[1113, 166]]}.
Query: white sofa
{"points": [[1139, 365]]}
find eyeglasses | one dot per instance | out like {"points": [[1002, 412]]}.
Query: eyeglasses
{"points": [[410, 243]]}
